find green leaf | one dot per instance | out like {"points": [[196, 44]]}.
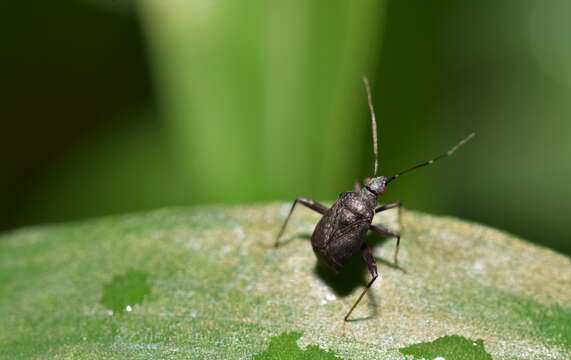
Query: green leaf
{"points": [[206, 283], [285, 347], [124, 291], [448, 347]]}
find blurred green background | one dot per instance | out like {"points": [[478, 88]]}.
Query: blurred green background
{"points": [[116, 106]]}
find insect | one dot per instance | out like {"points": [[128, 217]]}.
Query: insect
{"points": [[340, 233]]}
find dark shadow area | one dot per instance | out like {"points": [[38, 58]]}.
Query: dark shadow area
{"points": [[355, 273], [62, 89], [390, 264], [351, 276]]}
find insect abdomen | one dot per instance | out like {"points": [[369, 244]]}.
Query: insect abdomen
{"points": [[340, 232]]}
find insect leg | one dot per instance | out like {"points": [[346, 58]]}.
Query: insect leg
{"points": [[372, 265], [383, 231], [388, 206], [313, 205]]}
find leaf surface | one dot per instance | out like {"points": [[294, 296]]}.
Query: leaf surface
{"points": [[209, 285]]}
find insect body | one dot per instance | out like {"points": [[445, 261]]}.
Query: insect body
{"points": [[340, 233], [337, 236]]}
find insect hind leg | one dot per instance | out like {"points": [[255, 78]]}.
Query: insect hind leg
{"points": [[372, 265]]}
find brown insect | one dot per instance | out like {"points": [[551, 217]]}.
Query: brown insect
{"points": [[341, 231]]}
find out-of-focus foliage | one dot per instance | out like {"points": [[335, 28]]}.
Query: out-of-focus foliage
{"points": [[263, 100], [256, 101]]}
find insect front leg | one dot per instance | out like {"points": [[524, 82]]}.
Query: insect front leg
{"points": [[387, 232], [383, 231], [313, 205], [388, 207], [372, 265]]}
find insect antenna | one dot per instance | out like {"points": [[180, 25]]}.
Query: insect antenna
{"points": [[431, 161], [373, 125]]}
